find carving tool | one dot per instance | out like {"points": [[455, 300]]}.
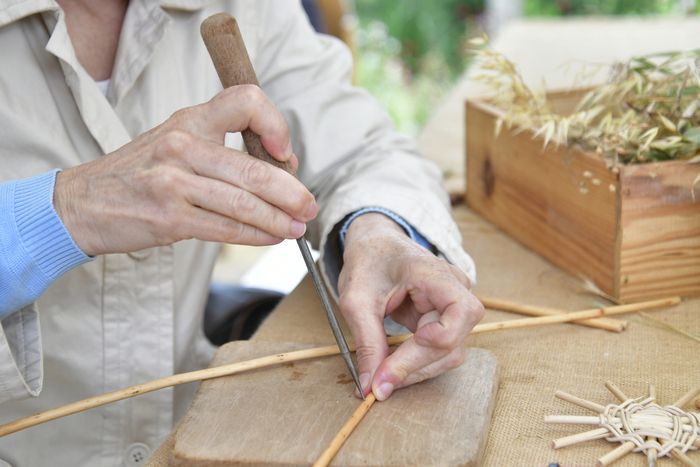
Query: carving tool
{"points": [[228, 52]]}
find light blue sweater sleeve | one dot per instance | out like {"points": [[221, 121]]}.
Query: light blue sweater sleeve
{"points": [[35, 247]]}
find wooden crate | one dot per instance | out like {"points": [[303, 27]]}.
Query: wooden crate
{"points": [[633, 231]]}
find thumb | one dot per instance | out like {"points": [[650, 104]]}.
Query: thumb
{"points": [[367, 326], [407, 359], [242, 107]]}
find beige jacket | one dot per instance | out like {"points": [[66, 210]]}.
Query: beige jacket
{"points": [[128, 318]]}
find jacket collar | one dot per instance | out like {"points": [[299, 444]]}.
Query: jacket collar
{"points": [[13, 10]]}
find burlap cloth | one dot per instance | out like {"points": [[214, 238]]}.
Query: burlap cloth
{"points": [[537, 361]]}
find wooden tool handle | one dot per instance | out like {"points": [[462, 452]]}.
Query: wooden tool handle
{"points": [[227, 50]]}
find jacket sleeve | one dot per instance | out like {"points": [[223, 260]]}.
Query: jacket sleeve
{"points": [[35, 250], [350, 154]]}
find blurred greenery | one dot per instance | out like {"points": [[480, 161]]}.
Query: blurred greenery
{"points": [[423, 28], [411, 52], [597, 7]]}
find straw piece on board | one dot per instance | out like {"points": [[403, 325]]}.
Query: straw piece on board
{"points": [[354, 420], [227, 370]]}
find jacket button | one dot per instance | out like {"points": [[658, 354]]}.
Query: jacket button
{"points": [[136, 455]]}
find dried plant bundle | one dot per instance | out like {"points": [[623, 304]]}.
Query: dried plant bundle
{"points": [[647, 111]]}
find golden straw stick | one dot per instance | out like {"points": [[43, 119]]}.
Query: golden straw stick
{"points": [[572, 419], [683, 459], [686, 422], [617, 453], [561, 318], [345, 431], [576, 315], [579, 438], [687, 397], [608, 324], [233, 368], [617, 392], [580, 402], [174, 380]]}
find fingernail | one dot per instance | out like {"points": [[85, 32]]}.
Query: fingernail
{"points": [[312, 211], [298, 229], [384, 391], [289, 151], [364, 381]]}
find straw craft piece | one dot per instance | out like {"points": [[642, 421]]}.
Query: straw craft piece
{"points": [[638, 425]]}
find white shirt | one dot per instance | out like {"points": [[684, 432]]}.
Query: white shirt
{"points": [[103, 86]]}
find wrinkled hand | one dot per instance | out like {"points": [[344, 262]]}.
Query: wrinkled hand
{"points": [[385, 272], [178, 182]]}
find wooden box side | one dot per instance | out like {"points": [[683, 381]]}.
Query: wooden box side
{"points": [[559, 202], [660, 220]]}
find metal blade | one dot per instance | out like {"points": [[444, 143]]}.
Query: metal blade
{"points": [[332, 320]]}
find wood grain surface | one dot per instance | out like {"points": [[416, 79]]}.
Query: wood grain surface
{"points": [[544, 197], [660, 228], [287, 415], [634, 230]]}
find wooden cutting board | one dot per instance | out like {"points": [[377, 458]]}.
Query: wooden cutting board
{"points": [[288, 414]]}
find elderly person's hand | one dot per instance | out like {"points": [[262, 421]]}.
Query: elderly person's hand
{"points": [[387, 273], [178, 181]]}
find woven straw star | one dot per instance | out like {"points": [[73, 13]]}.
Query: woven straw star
{"points": [[638, 425]]}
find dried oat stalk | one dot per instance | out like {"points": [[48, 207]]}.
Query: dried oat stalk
{"points": [[649, 110]]}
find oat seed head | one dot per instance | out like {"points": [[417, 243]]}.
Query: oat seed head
{"points": [[647, 111]]}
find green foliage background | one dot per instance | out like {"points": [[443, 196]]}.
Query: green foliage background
{"points": [[597, 7], [411, 52]]}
